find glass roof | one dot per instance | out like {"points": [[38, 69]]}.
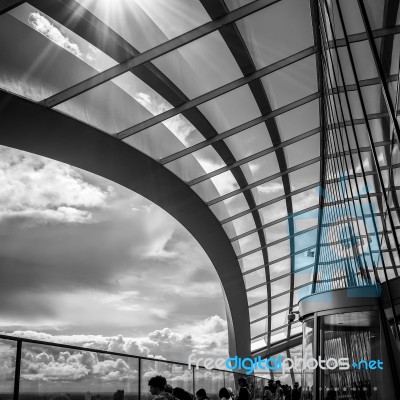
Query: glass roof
{"points": [[252, 151]]}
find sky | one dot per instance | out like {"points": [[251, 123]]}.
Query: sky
{"points": [[82, 232], [88, 262]]}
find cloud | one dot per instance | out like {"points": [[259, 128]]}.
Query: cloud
{"points": [[46, 28], [270, 187], [45, 190], [208, 336], [178, 124]]}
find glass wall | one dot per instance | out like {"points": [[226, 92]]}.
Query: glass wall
{"points": [[50, 372], [8, 352], [47, 371], [307, 380], [355, 336]]}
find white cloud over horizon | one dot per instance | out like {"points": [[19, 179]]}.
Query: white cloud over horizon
{"points": [[206, 337]]}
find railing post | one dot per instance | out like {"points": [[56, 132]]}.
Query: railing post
{"points": [[17, 369], [194, 380], [139, 379]]}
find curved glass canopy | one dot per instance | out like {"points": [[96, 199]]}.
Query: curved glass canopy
{"points": [[227, 95]]}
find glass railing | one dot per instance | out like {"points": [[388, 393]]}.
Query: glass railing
{"points": [[36, 370]]}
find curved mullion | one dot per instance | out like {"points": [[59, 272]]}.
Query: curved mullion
{"points": [[217, 9]]}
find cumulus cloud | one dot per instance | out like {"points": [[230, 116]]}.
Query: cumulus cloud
{"points": [[46, 28], [270, 187], [45, 190], [178, 124], [206, 337]]}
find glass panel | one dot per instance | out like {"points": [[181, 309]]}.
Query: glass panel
{"points": [[49, 57], [279, 250], [299, 120], [277, 231], [231, 206], [371, 96], [258, 328], [8, 352], [241, 225], [259, 311], [303, 277], [254, 278], [256, 295], [248, 243], [190, 69], [352, 19], [308, 353], [210, 381], [302, 151], [305, 199], [296, 329], [306, 220], [278, 269], [291, 83], [280, 286], [273, 211], [231, 109], [217, 186], [363, 60], [103, 375], [146, 24], [251, 261], [280, 303], [166, 138], [268, 191], [355, 336], [269, 40], [304, 241], [233, 4], [305, 176], [278, 320], [196, 164], [116, 105], [260, 168], [176, 375], [375, 12], [249, 141]]}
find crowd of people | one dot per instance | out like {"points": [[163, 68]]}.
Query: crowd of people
{"points": [[273, 391]]}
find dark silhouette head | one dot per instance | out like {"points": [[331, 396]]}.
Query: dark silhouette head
{"points": [[201, 394], [157, 384], [224, 393], [242, 381], [168, 388]]}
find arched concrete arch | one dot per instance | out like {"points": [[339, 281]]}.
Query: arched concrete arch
{"points": [[30, 127]]}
